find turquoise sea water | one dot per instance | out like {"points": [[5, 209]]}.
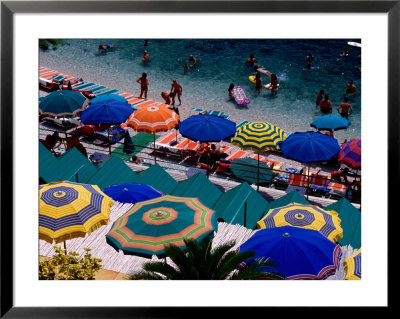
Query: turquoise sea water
{"points": [[221, 62]]}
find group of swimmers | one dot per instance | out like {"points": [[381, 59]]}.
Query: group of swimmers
{"points": [[344, 109]]}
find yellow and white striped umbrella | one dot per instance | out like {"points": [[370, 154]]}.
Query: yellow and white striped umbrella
{"points": [[304, 216], [352, 266], [259, 136], [69, 210]]}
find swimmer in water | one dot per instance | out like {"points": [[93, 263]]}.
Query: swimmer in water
{"points": [[274, 83], [145, 57], [104, 48], [344, 108], [230, 91], [251, 60], [351, 88], [192, 59], [325, 105], [185, 68], [319, 97], [309, 59], [258, 82]]}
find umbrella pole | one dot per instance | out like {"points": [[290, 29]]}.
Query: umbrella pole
{"points": [[245, 213], [258, 170], [65, 248], [109, 142], [154, 147], [308, 179], [65, 132]]}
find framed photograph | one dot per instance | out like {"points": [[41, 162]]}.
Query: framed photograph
{"points": [[205, 46]]}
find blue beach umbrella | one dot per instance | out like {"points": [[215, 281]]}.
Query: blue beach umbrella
{"points": [[297, 253], [207, 128], [110, 96], [330, 122], [107, 112], [310, 147], [131, 193]]}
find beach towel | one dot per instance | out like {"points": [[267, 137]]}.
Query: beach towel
{"points": [[239, 95]]}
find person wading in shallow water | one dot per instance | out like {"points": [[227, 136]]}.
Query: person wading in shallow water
{"points": [[325, 105]]}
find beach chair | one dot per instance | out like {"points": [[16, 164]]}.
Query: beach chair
{"points": [[198, 110], [188, 145], [168, 139], [297, 180], [98, 88], [109, 91], [135, 100], [50, 75], [237, 154], [263, 159], [126, 95], [84, 86], [318, 183], [337, 189], [241, 123]]}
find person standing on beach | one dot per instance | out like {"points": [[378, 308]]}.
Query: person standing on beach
{"points": [[344, 108], [176, 88], [325, 105], [144, 83], [319, 97]]}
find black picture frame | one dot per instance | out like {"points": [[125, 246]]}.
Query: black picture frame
{"points": [[9, 8]]}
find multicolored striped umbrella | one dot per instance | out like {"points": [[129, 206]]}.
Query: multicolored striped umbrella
{"points": [[69, 210], [350, 154], [352, 266], [304, 216], [258, 137], [62, 103], [153, 119], [150, 225], [298, 253]]}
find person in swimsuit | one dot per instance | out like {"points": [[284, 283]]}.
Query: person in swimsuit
{"points": [[351, 88], [104, 48], [309, 59], [325, 105], [230, 91], [145, 57], [251, 60], [176, 88], [192, 59], [274, 83], [146, 43], [144, 83], [344, 108], [258, 82], [185, 68], [319, 97], [166, 96]]}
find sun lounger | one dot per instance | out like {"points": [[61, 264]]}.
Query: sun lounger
{"points": [[98, 88], [126, 95], [46, 71], [84, 86], [50, 75], [145, 103], [318, 183], [297, 180], [109, 91], [135, 100], [187, 145], [337, 188], [167, 139], [241, 123], [237, 154]]}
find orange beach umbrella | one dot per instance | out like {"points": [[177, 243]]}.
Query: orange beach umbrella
{"points": [[152, 119]]}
